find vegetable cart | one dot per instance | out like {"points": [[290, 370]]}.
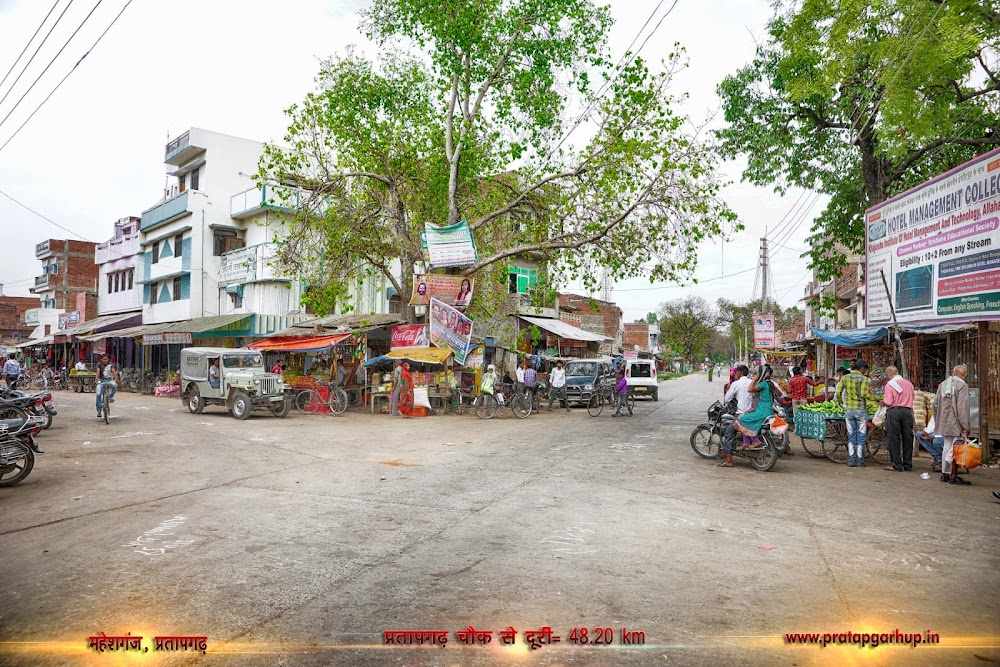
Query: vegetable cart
{"points": [[824, 434], [82, 382]]}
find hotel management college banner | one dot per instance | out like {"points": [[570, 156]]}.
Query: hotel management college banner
{"points": [[450, 328], [939, 247]]}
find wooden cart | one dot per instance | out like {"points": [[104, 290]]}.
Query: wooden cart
{"points": [[83, 382], [825, 434]]}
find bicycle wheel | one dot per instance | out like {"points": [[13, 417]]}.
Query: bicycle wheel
{"points": [[595, 405], [339, 402], [486, 406], [307, 402], [835, 443], [105, 406], [521, 405], [814, 448], [876, 445]]}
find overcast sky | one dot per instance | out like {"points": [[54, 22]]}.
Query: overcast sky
{"points": [[94, 152]]}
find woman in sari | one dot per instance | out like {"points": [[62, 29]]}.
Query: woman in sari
{"points": [[749, 424], [405, 405]]}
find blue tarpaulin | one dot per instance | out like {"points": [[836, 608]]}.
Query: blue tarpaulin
{"points": [[852, 337]]}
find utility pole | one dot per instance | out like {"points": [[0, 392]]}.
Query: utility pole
{"points": [[763, 272]]}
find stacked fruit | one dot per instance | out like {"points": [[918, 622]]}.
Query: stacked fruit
{"points": [[826, 407]]}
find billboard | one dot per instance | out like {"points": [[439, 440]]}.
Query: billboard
{"points": [[409, 335], [451, 245], [455, 291], [450, 328], [938, 246], [70, 319], [763, 330]]}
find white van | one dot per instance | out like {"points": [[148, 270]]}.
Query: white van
{"points": [[641, 377]]}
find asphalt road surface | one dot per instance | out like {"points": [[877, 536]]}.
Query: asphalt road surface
{"points": [[300, 541]]}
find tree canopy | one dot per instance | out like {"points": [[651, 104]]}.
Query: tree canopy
{"points": [[738, 318], [687, 325], [467, 114], [862, 99]]}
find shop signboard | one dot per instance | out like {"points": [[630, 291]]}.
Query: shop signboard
{"points": [[31, 316], [409, 335], [450, 245], [938, 246], [167, 339], [70, 319], [763, 331], [456, 291], [450, 328]]}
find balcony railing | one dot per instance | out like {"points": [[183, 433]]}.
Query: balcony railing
{"points": [[269, 197], [181, 150], [178, 143], [248, 264], [42, 249], [42, 281], [165, 212]]}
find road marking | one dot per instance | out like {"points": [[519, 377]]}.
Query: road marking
{"points": [[155, 535]]}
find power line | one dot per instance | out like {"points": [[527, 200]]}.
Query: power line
{"points": [[30, 60], [25, 49], [54, 58], [783, 222], [21, 127], [25, 206], [698, 282]]}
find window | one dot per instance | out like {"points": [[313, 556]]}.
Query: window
{"points": [[177, 288], [54, 269], [521, 280], [152, 293], [194, 178], [110, 282], [225, 240], [395, 304], [131, 277], [156, 252], [182, 183], [178, 240], [117, 281]]}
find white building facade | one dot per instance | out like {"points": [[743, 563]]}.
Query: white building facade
{"points": [[119, 262], [206, 249]]}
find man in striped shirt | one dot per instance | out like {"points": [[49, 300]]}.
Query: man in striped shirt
{"points": [[855, 390]]}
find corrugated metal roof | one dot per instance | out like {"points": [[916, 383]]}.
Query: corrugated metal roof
{"points": [[333, 323], [204, 324], [563, 330], [97, 323]]}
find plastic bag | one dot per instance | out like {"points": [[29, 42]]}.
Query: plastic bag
{"points": [[968, 455], [420, 398], [879, 418], [778, 426]]}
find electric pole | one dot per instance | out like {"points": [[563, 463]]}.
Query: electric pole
{"points": [[764, 271]]}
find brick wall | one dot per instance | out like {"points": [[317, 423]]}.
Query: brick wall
{"points": [[596, 316], [636, 334]]}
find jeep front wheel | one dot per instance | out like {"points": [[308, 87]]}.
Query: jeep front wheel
{"points": [[281, 409], [195, 402], [240, 405]]}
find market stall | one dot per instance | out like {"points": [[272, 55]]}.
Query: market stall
{"points": [[435, 379], [822, 430]]}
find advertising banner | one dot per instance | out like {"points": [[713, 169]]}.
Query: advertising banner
{"points": [[938, 246], [409, 335], [449, 246], [70, 319], [167, 339], [763, 330], [450, 328], [455, 291]]}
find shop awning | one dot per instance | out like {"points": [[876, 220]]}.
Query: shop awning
{"points": [[298, 343], [206, 324], [33, 343], [424, 355], [564, 330], [852, 337], [98, 323], [935, 328]]}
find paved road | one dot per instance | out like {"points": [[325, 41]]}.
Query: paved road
{"points": [[300, 541]]}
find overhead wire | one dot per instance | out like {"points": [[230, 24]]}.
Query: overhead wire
{"points": [[26, 46], [39, 48], [47, 219], [61, 81], [51, 62]]}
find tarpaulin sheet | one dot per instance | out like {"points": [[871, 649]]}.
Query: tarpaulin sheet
{"points": [[852, 337], [426, 355], [298, 343]]}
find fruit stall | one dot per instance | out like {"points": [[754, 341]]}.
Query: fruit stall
{"points": [[822, 429]]}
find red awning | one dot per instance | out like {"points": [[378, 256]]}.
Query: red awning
{"points": [[298, 343]]}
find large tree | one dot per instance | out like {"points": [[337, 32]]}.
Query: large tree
{"points": [[687, 325], [862, 99], [468, 114]]}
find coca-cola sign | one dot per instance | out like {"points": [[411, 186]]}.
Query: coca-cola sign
{"points": [[410, 335]]}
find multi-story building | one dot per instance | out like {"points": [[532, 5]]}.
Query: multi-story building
{"points": [[641, 337], [207, 247], [118, 261], [68, 270], [13, 324], [595, 316]]}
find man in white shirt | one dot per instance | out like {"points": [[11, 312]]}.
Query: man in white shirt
{"points": [[739, 390], [80, 366], [519, 373], [11, 370], [557, 382]]}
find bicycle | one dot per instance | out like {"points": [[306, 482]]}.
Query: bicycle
{"points": [[605, 393], [487, 405], [105, 401], [310, 401]]}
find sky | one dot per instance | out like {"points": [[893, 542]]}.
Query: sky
{"points": [[94, 152]]}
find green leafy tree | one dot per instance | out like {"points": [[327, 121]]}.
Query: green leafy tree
{"points": [[465, 116], [738, 318], [862, 99], [687, 325], [651, 318]]}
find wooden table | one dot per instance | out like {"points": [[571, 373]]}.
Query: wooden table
{"points": [[378, 395]]}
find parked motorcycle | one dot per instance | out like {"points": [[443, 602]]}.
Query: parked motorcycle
{"points": [[706, 440], [37, 403], [17, 447]]}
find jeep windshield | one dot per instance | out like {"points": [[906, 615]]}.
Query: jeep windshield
{"points": [[254, 361], [586, 369]]}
